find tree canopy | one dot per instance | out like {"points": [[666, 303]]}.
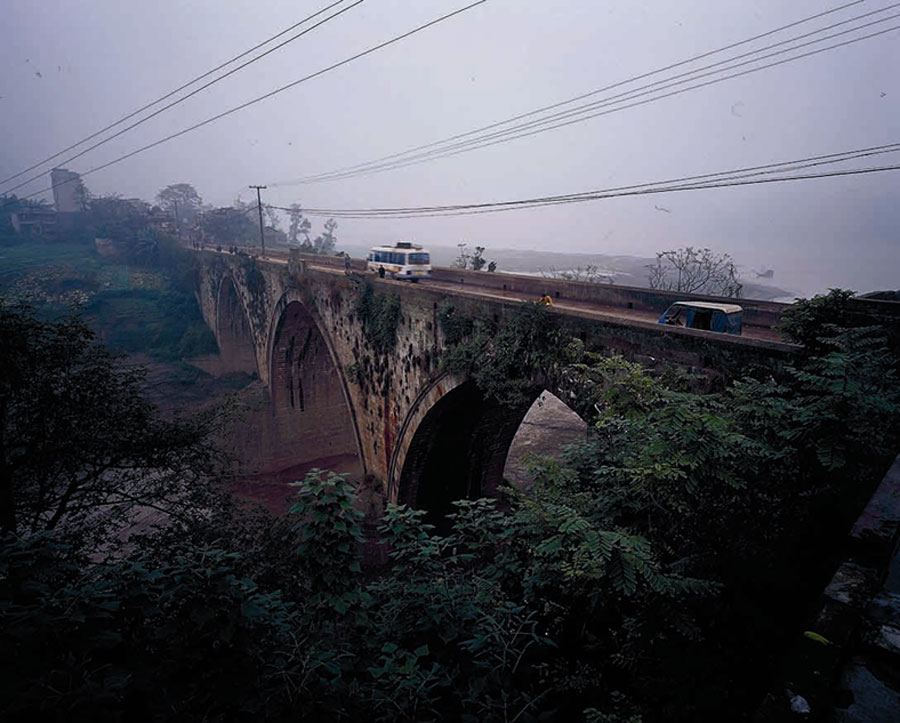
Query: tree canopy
{"points": [[695, 271], [228, 225], [649, 575], [80, 447], [181, 200]]}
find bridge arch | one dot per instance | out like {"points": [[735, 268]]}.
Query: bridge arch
{"points": [[455, 448], [455, 444], [424, 402], [233, 331], [309, 397]]}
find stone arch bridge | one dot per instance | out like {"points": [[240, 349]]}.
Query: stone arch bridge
{"points": [[416, 434]]}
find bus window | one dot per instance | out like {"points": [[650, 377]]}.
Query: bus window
{"points": [[419, 258]]}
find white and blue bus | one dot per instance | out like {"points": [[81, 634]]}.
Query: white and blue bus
{"points": [[403, 261]]}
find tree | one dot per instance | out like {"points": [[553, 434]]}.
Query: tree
{"points": [[272, 216], [808, 321], [695, 271], [295, 218], [181, 200], [118, 219], [82, 195], [186, 638], [228, 225], [462, 261], [327, 240], [478, 260], [299, 225], [80, 449]]}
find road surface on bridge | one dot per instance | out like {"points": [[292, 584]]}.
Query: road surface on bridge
{"points": [[586, 309], [579, 308]]}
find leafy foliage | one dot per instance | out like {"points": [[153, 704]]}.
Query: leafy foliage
{"points": [[181, 200], [187, 640], [329, 534], [808, 321], [228, 225], [80, 446], [508, 360], [380, 316], [649, 575]]}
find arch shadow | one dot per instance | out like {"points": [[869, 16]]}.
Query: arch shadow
{"points": [[458, 452], [461, 446], [234, 334], [313, 420]]}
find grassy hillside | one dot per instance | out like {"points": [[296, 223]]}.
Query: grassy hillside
{"points": [[146, 309]]}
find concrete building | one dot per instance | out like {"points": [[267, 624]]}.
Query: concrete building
{"points": [[35, 222], [68, 191]]}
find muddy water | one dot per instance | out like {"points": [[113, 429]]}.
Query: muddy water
{"points": [[273, 490], [547, 428]]}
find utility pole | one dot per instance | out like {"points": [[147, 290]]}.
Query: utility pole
{"points": [[262, 236]]}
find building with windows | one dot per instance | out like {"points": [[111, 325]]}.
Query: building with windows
{"points": [[34, 221]]}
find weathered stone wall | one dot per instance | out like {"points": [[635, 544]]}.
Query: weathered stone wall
{"points": [[758, 314], [846, 666], [332, 389]]}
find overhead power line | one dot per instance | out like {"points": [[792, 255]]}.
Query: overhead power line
{"points": [[569, 101], [477, 138], [535, 128], [638, 192], [183, 98], [275, 92], [171, 93], [775, 172]]}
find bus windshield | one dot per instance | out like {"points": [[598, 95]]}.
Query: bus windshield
{"points": [[419, 258]]}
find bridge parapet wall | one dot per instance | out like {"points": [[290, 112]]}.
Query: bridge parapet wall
{"points": [[761, 314]]}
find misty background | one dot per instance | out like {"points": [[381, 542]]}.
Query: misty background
{"points": [[72, 68]]}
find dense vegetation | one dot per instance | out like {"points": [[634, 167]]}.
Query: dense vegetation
{"points": [[139, 297], [650, 576]]}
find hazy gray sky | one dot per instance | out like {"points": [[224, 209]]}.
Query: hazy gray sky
{"points": [[73, 66]]}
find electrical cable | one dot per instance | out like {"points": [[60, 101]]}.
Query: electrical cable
{"points": [[542, 125], [485, 143], [740, 176], [405, 158], [170, 94], [189, 95], [648, 191], [272, 93], [582, 96]]}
